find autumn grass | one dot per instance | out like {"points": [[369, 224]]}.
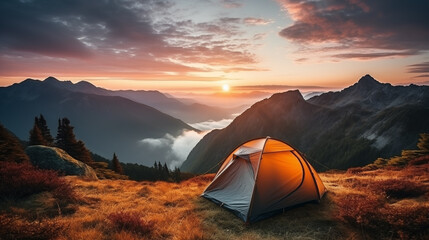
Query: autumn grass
{"points": [[389, 203], [124, 209]]}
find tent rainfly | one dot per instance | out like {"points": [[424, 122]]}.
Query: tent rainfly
{"points": [[263, 177]]}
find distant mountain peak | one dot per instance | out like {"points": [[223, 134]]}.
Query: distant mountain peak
{"points": [[51, 79], [85, 84], [367, 80], [289, 95]]}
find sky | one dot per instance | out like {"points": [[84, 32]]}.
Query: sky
{"points": [[199, 46]]}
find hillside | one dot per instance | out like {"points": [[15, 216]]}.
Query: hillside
{"points": [[123, 209], [335, 130], [106, 124]]}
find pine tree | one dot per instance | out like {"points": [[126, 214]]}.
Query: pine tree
{"points": [[116, 165], [66, 140], [176, 175], [80, 152], [165, 172], [59, 140], [159, 171], [11, 149], [36, 137], [46, 133]]}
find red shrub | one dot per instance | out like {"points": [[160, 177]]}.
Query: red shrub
{"points": [[399, 188], [407, 222], [21, 180], [359, 209], [132, 222], [373, 214], [419, 161], [15, 227]]}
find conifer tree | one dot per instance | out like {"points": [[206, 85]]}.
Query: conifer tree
{"points": [[165, 172], [59, 140], [36, 137], [159, 171], [11, 149], [66, 140], [46, 133], [176, 174], [116, 165], [80, 152]]}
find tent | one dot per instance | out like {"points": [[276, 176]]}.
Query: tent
{"points": [[262, 177]]}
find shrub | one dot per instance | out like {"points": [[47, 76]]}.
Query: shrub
{"points": [[21, 180], [372, 213], [419, 161], [399, 188], [15, 227], [132, 222], [359, 209], [407, 222]]}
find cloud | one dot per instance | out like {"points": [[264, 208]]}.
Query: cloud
{"points": [[392, 28], [276, 87], [231, 4], [125, 38], [419, 68], [183, 145], [178, 148], [373, 55], [210, 125], [256, 21], [175, 148], [158, 142], [423, 76]]}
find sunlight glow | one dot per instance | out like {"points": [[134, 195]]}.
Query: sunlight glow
{"points": [[225, 87]]}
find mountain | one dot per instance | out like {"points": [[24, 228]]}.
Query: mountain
{"points": [[190, 113], [339, 130], [106, 124]]}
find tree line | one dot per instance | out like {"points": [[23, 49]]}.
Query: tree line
{"points": [[65, 139]]}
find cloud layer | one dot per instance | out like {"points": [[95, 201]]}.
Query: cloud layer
{"points": [[153, 39], [210, 125], [176, 148], [359, 29], [422, 69]]}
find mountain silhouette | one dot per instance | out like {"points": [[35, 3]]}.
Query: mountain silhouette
{"points": [[190, 113], [338, 130], [106, 124]]}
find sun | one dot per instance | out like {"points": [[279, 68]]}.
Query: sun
{"points": [[225, 87]]}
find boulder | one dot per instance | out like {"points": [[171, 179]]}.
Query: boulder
{"points": [[57, 159]]}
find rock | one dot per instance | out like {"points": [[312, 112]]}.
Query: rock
{"points": [[57, 159]]}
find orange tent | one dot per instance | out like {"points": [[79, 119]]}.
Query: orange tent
{"points": [[263, 177]]}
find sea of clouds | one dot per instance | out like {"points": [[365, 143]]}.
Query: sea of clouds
{"points": [[178, 148]]}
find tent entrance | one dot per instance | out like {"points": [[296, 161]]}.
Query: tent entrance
{"points": [[233, 188]]}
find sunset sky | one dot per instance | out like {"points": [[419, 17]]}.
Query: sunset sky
{"points": [[199, 46]]}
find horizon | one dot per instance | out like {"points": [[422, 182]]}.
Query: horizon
{"points": [[226, 46]]}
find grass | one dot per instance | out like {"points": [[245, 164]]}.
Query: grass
{"points": [[124, 209], [389, 203]]}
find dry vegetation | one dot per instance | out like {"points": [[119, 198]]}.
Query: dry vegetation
{"points": [[381, 204]]}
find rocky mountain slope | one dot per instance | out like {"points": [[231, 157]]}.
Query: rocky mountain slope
{"points": [[341, 129]]}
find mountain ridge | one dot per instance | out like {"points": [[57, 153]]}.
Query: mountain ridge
{"points": [[189, 113], [106, 124], [340, 129]]}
